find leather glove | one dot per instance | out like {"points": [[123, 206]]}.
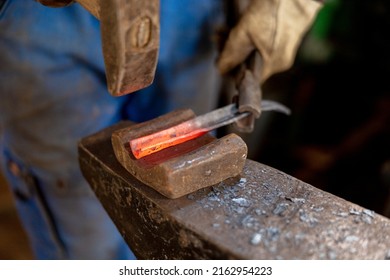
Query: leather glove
{"points": [[275, 28], [55, 3]]}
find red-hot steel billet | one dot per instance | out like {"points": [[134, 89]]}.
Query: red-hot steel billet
{"points": [[193, 128], [163, 139]]}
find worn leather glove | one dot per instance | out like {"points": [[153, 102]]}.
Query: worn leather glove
{"points": [[275, 28], [55, 3]]}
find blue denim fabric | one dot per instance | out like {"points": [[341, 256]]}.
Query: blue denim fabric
{"points": [[53, 92]]}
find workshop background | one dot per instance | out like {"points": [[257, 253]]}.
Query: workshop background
{"points": [[338, 135]]}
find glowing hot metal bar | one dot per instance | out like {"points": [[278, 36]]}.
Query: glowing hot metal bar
{"points": [[193, 128]]}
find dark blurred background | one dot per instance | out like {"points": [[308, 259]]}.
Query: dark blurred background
{"points": [[338, 136]]}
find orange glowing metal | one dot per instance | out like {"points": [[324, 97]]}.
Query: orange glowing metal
{"points": [[193, 128], [185, 131], [163, 139]]}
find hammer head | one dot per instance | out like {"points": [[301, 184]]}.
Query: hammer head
{"points": [[130, 37]]}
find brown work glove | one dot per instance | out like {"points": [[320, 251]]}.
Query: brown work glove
{"points": [[55, 3], [275, 28]]}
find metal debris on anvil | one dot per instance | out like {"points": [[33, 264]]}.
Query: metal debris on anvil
{"points": [[237, 203]]}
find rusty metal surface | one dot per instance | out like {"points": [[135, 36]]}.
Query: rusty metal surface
{"points": [[261, 214], [249, 92], [130, 38], [130, 31]]}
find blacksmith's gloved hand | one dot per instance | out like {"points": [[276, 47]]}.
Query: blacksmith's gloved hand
{"points": [[275, 28]]}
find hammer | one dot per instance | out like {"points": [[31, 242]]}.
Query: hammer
{"points": [[130, 32]]}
